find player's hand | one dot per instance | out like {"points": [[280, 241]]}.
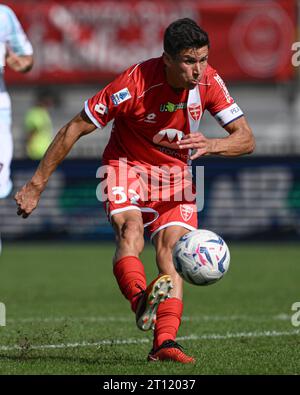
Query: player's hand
{"points": [[198, 142], [27, 199], [18, 63]]}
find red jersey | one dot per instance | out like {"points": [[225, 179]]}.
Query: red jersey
{"points": [[150, 116]]}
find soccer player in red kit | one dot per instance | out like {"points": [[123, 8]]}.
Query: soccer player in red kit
{"points": [[156, 106]]}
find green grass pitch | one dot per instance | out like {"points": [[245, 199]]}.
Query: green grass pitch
{"points": [[66, 315]]}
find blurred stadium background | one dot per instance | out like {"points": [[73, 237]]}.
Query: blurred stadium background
{"points": [[79, 46], [64, 311]]}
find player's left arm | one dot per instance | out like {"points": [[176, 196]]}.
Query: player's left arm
{"points": [[239, 142]]}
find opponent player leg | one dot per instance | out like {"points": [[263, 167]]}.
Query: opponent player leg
{"points": [[6, 152], [169, 312]]}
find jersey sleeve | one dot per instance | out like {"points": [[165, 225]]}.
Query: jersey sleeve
{"points": [[219, 102], [14, 34], [115, 100]]}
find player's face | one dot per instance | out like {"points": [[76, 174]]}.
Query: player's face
{"points": [[186, 69]]}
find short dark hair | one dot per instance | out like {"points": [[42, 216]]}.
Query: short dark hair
{"points": [[183, 34]]}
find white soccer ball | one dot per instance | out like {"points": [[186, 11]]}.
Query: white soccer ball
{"points": [[201, 257]]}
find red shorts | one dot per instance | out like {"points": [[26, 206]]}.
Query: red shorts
{"points": [[161, 207]]}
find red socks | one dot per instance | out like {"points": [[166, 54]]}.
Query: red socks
{"points": [[168, 319], [130, 274]]}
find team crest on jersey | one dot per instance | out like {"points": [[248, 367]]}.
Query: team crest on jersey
{"points": [[186, 212], [195, 111], [120, 96]]}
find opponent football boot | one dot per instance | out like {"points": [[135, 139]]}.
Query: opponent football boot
{"points": [[156, 292], [170, 351]]}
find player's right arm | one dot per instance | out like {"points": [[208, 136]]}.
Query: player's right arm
{"points": [[28, 196], [115, 99]]}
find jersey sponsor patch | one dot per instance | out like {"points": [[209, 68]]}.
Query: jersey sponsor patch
{"points": [[170, 107], [121, 96]]}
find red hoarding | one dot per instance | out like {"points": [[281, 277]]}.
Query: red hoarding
{"points": [[91, 41]]}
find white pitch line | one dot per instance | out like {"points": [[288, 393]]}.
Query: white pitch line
{"points": [[214, 336], [277, 317]]}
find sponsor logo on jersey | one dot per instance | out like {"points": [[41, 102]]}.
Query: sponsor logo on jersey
{"points": [[170, 107], [150, 118], [101, 108], [195, 111], [223, 86], [175, 153], [168, 137], [121, 96], [186, 212]]}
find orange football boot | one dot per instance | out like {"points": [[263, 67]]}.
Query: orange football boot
{"points": [[170, 351]]}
